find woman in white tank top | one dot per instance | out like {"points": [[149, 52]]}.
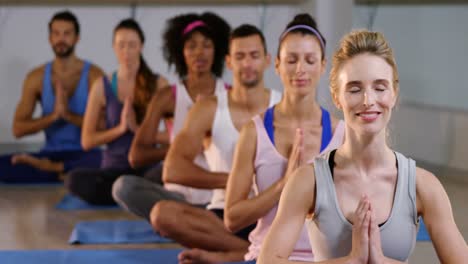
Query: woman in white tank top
{"points": [[195, 45], [364, 199]]}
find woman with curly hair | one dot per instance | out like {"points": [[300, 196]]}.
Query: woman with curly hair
{"points": [[196, 46]]}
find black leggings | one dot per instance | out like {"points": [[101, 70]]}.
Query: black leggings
{"points": [[22, 173], [243, 233], [95, 185]]}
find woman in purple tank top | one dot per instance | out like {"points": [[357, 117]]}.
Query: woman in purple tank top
{"points": [[113, 113]]}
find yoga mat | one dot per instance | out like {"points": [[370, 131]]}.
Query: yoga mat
{"points": [[114, 256], [422, 233], [115, 232], [71, 202]]}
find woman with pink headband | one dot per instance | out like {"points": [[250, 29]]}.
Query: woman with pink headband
{"points": [[268, 141], [196, 46]]}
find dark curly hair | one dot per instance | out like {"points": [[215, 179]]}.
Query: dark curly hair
{"points": [[307, 20], [216, 29]]}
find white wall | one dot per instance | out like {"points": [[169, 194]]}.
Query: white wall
{"points": [[24, 44], [429, 43], [431, 122], [430, 75]]}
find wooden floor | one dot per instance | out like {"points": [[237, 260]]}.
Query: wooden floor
{"points": [[28, 219]]}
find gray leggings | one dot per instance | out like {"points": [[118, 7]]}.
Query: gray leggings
{"points": [[138, 195]]}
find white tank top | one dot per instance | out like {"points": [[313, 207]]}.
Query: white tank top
{"points": [[224, 136], [182, 106]]}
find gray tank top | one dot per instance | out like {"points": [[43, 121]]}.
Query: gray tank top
{"points": [[330, 232]]}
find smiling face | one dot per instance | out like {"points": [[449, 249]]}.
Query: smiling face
{"points": [[299, 63], [198, 53], [366, 94]]}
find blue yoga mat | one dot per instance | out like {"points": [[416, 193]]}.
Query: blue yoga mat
{"points": [[422, 233], [115, 232], [71, 202], [119, 256]]}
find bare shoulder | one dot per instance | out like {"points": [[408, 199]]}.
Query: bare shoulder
{"points": [[161, 82], [164, 92], [97, 87], [94, 69], [201, 114], [248, 138], [95, 72], [305, 174], [428, 188], [301, 185], [425, 180], [34, 78], [36, 74], [249, 130]]}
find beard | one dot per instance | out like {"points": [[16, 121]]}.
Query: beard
{"points": [[63, 50], [250, 82]]}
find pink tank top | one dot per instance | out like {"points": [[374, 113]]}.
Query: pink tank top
{"points": [[270, 166]]}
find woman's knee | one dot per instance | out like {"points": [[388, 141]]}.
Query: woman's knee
{"points": [[71, 180], [123, 188]]}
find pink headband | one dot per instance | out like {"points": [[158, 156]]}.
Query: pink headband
{"points": [[191, 26]]}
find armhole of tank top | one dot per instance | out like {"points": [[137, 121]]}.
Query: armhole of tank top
{"points": [[258, 123], [268, 120], [317, 164], [412, 188], [106, 86], [174, 91], [327, 132], [46, 82], [84, 82], [220, 113]]}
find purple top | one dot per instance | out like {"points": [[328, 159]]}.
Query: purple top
{"points": [[116, 153]]}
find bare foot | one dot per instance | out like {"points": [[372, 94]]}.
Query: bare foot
{"points": [[197, 256], [200, 256], [40, 164]]}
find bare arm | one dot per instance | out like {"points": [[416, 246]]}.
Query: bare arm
{"points": [[179, 166], [163, 137], [240, 210], [23, 121], [296, 202], [143, 151], [434, 206], [95, 73], [91, 136]]}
